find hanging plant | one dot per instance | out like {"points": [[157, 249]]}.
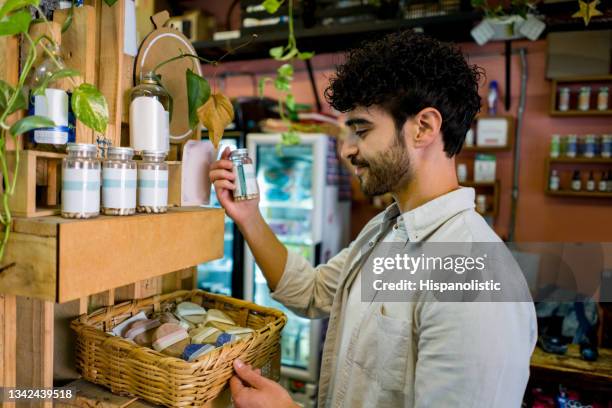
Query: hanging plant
{"points": [[284, 74], [88, 103]]}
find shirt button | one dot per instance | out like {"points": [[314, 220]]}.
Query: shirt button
{"points": [[395, 226], [370, 243]]}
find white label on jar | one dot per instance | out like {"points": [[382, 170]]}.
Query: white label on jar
{"points": [[56, 136], [602, 101], [153, 188], [601, 186], [576, 184], [81, 190], [584, 100], [246, 184], [119, 188], [52, 105], [149, 125], [590, 185], [554, 183]]}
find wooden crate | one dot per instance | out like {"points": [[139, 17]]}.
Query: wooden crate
{"points": [[38, 181], [60, 260]]}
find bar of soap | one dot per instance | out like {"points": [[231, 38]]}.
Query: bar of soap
{"points": [[240, 332], [220, 326], [204, 335], [195, 319], [216, 315], [170, 339], [225, 338], [194, 351], [189, 309], [167, 317], [141, 331], [120, 329]]}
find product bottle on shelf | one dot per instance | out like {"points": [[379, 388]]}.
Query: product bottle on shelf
{"points": [[576, 181], [150, 116], [554, 181], [564, 99], [52, 103], [602, 98], [590, 184], [492, 98], [555, 146], [584, 98], [571, 145], [602, 186], [606, 146]]}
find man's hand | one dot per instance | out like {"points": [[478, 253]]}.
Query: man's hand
{"points": [[251, 390], [223, 178]]}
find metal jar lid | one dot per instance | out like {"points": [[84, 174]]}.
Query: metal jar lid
{"points": [[82, 147], [237, 153]]}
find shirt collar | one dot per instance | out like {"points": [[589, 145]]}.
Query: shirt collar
{"points": [[423, 220]]}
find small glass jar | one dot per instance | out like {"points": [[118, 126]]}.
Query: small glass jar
{"points": [[119, 182], [150, 106], [606, 146], [564, 99], [584, 98], [602, 98], [152, 183], [589, 146], [571, 145], [246, 183], [555, 146], [481, 203], [81, 181]]}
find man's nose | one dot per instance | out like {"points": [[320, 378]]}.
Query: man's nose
{"points": [[349, 148]]}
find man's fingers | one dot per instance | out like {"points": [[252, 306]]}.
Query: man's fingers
{"points": [[236, 386], [249, 375], [221, 174], [226, 184], [226, 152], [258, 371], [221, 164]]}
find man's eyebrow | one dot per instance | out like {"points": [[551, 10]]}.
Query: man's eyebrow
{"points": [[357, 121]]}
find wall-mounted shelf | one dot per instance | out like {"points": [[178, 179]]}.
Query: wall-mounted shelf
{"points": [[492, 189], [577, 81], [486, 149], [59, 259], [582, 193], [580, 160]]}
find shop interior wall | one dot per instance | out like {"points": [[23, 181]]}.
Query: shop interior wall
{"points": [[539, 217]]}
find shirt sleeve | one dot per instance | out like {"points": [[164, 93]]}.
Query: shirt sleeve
{"points": [[309, 291], [474, 354]]}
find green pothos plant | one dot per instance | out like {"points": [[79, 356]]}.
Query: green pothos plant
{"points": [[284, 74], [88, 103]]}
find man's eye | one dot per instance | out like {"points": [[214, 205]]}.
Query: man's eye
{"points": [[361, 133]]}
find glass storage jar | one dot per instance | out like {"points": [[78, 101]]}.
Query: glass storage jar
{"points": [[150, 106], [81, 181], [245, 181], [153, 183], [119, 182]]}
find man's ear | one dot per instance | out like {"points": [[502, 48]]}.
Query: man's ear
{"points": [[428, 123]]}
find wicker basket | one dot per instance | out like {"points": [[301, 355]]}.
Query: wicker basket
{"points": [[129, 369]]}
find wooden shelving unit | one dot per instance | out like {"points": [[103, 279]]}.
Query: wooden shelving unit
{"points": [[571, 366], [58, 259], [585, 194], [581, 160], [487, 185], [602, 79]]}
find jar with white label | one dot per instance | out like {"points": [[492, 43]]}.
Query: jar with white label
{"points": [[119, 182], [602, 98], [152, 183], [564, 99], [150, 116], [481, 203], [245, 181], [584, 98], [81, 181], [48, 98]]}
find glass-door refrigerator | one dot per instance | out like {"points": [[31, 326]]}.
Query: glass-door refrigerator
{"points": [[299, 200], [225, 275]]}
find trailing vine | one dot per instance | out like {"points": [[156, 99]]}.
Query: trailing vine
{"points": [[88, 103], [284, 74]]}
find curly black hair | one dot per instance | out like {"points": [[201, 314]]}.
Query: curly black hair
{"points": [[406, 72]]}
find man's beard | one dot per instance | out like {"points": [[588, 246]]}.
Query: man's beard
{"points": [[386, 172]]}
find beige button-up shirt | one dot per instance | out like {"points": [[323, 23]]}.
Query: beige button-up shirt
{"points": [[414, 354]]}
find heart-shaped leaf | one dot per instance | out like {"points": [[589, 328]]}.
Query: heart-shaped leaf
{"points": [[306, 55], [6, 91], [290, 102], [198, 92], [110, 3], [29, 123], [271, 6], [282, 84], [276, 52], [216, 114], [285, 70], [90, 107], [62, 73], [16, 23], [11, 5], [261, 85]]}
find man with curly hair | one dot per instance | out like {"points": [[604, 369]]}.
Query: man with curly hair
{"points": [[409, 101]]}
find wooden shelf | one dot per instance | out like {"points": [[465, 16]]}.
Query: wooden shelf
{"points": [[586, 194], [595, 78], [581, 160], [486, 149], [578, 113], [475, 184], [572, 364], [58, 259]]}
